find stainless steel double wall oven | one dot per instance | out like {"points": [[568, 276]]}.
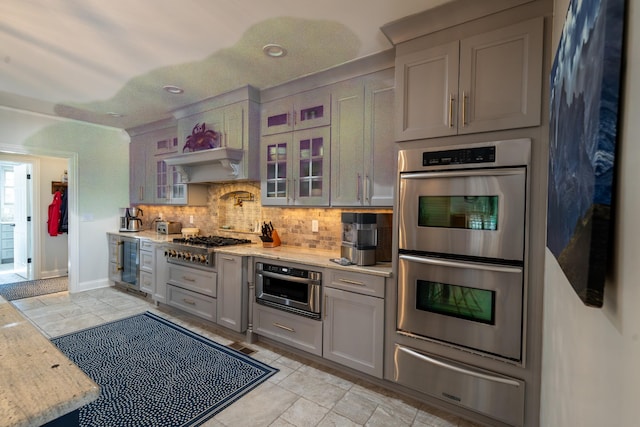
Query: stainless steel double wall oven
{"points": [[461, 245], [462, 248]]}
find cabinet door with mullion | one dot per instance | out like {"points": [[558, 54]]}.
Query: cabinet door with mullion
{"points": [[275, 160], [311, 167]]}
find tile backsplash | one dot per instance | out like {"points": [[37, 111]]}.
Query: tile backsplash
{"points": [[231, 212]]}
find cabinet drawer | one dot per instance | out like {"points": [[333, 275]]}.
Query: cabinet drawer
{"points": [[200, 281], [146, 261], [362, 283], [296, 331], [192, 302], [146, 281], [146, 245]]}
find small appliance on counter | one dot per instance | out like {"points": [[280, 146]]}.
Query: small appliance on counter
{"points": [[366, 238], [130, 219], [168, 227]]}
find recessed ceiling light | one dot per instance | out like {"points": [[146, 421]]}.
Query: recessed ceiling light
{"points": [[274, 50], [173, 89]]}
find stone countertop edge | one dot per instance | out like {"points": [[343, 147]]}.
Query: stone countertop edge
{"points": [[314, 257], [38, 382]]}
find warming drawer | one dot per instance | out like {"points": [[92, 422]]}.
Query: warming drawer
{"points": [[488, 393]]}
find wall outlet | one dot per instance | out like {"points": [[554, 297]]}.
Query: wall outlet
{"points": [[314, 225], [190, 219]]}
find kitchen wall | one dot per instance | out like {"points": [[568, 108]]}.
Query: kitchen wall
{"points": [[98, 159], [223, 216], [590, 370]]}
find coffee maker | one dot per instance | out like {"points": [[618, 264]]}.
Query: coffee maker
{"points": [[366, 238], [130, 219]]}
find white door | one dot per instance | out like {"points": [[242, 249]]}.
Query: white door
{"points": [[22, 234]]}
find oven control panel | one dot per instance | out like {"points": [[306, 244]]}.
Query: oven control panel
{"points": [[460, 156], [289, 271]]}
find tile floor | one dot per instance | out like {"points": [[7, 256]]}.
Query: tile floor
{"points": [[301, 394]]}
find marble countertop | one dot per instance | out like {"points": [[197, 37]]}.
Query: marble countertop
{"points": [[38, 382], [314, 257]]}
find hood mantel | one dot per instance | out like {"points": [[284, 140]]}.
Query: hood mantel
{"points": [[213, 165]]}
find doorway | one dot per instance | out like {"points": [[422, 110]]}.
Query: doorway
{"points": [[16, 227]]}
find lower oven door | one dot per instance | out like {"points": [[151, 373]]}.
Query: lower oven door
{"points": [[469, 304], [294, 294]]}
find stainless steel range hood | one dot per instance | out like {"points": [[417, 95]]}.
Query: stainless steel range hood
{"points": [[213, 165]]}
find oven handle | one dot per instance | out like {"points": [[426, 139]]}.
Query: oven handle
{"points": [[457, 264], [458, 369], [287, 278], [463, 173]]}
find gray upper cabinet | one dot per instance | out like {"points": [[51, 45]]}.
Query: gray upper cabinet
{"points": [[486, 82], [302, 111], [295, 168], [152, 180], [362, 143]]}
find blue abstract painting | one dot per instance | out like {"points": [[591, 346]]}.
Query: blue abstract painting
{"points": [[584, 100]]}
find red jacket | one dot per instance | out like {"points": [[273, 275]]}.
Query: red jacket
{"points": [[54, 214]]}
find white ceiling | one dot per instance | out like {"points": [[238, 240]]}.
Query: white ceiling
{"points": [[85, 58]]}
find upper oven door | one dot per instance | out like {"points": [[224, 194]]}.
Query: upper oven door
{"points": [[471, 212]]}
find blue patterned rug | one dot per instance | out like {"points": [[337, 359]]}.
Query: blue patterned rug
{"points": [[153, 372], [33, 288]]}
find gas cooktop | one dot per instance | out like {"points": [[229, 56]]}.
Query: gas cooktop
{"points": [[210, 241]]}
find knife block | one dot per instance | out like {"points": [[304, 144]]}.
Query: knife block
{"points": [[276, 240]]}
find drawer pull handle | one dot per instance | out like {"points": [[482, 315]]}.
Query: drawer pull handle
{"points": [[351, 282], [188, 279], [226, 258], [189, 301], [286, 328]]}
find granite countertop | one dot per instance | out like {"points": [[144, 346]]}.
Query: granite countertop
{"points": [[314, 257], [38, 382]]}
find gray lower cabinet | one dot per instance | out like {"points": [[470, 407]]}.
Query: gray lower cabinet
{"points": [[233, 290], [147, 266], [161, 275], [114, 258], [354, 320], [288, 328], [192, 290]]}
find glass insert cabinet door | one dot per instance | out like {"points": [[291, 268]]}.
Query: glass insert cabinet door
{"points": [[295, 170], [311, 167], [277, 170]]}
